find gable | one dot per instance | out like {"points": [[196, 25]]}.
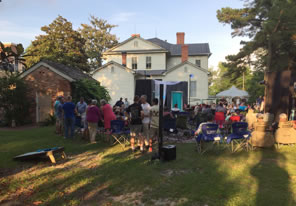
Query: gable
{"points": [[136, 44], [187, 63], [39, 65]]}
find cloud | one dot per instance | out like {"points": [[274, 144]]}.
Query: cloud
{"points": [[122, 17], [11, 32]]}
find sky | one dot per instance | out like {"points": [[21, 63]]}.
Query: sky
{"points": [[21, 20]]}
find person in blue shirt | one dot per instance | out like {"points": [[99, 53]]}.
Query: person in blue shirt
{"points": [[242, 107], [69, 117]]}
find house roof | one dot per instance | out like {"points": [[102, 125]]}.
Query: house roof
{"points": [[150, 72], [176, 49], [68, 72]]}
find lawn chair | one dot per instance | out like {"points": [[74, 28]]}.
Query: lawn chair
{"points": [[239, 138], [209, 134], [118, 132], [285, 134]]}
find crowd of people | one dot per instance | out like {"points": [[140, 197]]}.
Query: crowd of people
{"points": [[142, 119]]}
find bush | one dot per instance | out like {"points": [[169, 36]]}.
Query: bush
{"points": [[14, 100], [89, 89]]}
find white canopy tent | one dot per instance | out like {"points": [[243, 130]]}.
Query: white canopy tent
{"points": [[233, 92]]}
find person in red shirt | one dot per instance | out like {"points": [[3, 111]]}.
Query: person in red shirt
{"points": [[234, 117]]}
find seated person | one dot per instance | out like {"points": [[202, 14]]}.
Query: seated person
{"points": [[119, 115], [210, 119], [175, 108], [167, 113], [234, 117]]}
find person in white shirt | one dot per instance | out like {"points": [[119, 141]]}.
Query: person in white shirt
{"points": [[145, 119]]}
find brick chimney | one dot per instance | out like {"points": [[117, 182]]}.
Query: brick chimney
{"points": [[184, 54], [135, 35], [180, 37], [123, 55]]}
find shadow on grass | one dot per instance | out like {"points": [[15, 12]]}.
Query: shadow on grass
{"points": [[273, 179], [130, 179]]}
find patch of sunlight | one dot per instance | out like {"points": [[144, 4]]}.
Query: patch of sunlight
{"points": [[75, 186]]}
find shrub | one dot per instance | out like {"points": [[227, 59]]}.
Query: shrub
{"points": [[89, 89], [13, 99]]}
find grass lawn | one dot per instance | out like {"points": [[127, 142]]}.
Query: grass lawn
{"points": [[98, 174]]}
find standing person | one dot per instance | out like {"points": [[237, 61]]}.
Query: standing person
{"points": [[69, 117], [145, 119], [93, 115], [126, 103], [119, 102], [154, 125], [134, 113], [108, 115], [57, 114], [81, 110]]}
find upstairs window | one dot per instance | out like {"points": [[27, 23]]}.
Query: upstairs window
{"points": [[148, 62], [135, 43], [134, 63], [197, 62]]}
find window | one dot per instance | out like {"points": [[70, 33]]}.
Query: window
{"points": [[135, 43], [192, 89], [148, 62], [185, 70], [112, 69], [197, 62], [134, 63]]}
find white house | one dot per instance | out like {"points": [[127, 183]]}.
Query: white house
{"points": [[138, 58]]}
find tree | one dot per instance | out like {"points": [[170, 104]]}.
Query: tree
{"points": [[9, 54], [220, 81], [89, 89], [13, 99], [98, 39], [271, 28], [60, 43]]}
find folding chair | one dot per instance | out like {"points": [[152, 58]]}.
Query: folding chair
{"points": [[209, 134], [118, 132], [239, 138], [262, 136]]}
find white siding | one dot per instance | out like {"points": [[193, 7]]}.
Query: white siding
{"points": [[174, 61], [119, 83], [199, 76], [158, 60]]}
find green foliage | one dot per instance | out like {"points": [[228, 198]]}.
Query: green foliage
{"points": [[220, 82], [13, 99], [89, 89], [271, 28], [10, 54], [253, 87], [98, 39], [60, 43]]}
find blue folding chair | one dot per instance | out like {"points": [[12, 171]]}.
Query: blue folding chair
{"points": [[119, 133], [239, 138], [209, 134]]}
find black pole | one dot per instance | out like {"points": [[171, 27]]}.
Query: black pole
{"points": [[160, 137]]}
